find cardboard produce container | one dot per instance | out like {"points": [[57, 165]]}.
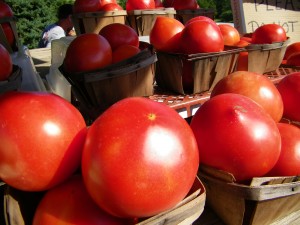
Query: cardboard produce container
{"points": [[19, 207], [266, 200], [263, 58], [14, 81], [93, 22], [184, 15], [13, 47], [97, 90], [142, 21], [207, 69]]}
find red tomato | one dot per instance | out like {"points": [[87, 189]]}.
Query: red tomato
{"points": [[236, 135], [42, 137], [167, 3], [135, 154], [289, 88], [201, 37], [87, 52], [139, 4], [70, 204], [183, 5], [119, 34], [124, 52], [6, 64], [165, 34], [242, 43], [294, 59], [291, 49], [104, 2], [82, 6], [111, 7], [268, 34], [255, 86], [288, 163], [158, 4], [200, 18], [8, 33], [5, 10], [247, 39], [242, 62], [230, 34]]}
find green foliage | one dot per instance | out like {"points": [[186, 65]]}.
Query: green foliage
{"points": [[34, 15]]}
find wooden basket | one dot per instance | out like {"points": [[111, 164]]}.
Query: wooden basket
{"points": [[184, 15], [263, 58], [207, 69], [266, 200], [13, 82], [3, 40], [93, 22], [97, 90], [142, 21], [19, 207]]}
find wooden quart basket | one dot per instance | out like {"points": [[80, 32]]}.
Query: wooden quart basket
{"points": [[10, 25], [265, 201], [97, 90], [263, 58], [184, 15], [13, 82], [206, 68], [142, 21], [93, 22], [20, 206]]}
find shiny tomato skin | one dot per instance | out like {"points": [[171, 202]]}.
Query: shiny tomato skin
{"points": [[184, 5], [200, 18], [165, 34], [5, 10], [139, 4], [104, 2], [42, 137], [235, 134], [294, 59], [289, 88], [201, 37], [70, 204], [6, 64], [118, 34], [134, 156], [288, 163], [83, 6], [268, 34], [87, 52], [124, 52], [291, 49], [230, 34], [255, 86], [111, 7], [158, 4]]}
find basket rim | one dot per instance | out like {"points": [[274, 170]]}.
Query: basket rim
{"points": [[266, 47], [100, 13], [163, 11]]}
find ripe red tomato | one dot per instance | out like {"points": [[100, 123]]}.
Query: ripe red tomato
{"points": [[70, 204], [288, 163], [291, 49], [200, 18], [8, 33], [111, 7], [268, 34], [165, 34], [242, 62], [158, 4], [87, 52], [294, 59], [201, 37], [139, 4], [124, 52], [230, 34], [236, 135], [42, 137], [242, 43], [135, 154], [247, 39], [289, 88], [255, 86], [183, 5], [6, 64], [104, 2], [5, 10], [82, 6], [118, 34]]}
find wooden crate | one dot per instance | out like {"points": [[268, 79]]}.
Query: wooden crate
{"points": [[20, 206], [184, 15], [207, 69], [11, 21], [14, 81], [93, 22], [266, 200], [142, 21]]}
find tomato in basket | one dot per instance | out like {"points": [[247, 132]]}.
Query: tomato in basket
{"points": [[236, 135], [6, 64], [140, 158], [294, 59], [124, 52], [268, 34], [6, 11], [291, 49], [230, 34], [83, 6], [111, 7], [139, 4]]}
